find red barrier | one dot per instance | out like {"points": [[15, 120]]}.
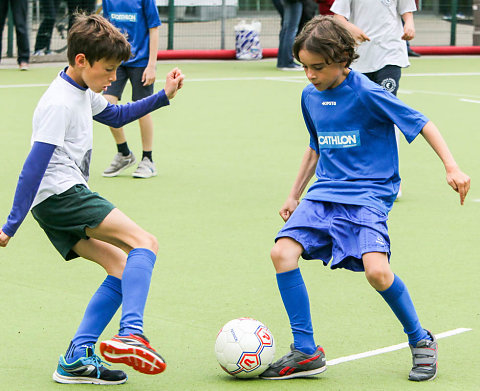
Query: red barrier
{"points": [[269, 53]]}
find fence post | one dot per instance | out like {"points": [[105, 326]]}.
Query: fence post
{"points": [[10, 32], [453, 26], [171, 23], [222, 32], [476, 22]]}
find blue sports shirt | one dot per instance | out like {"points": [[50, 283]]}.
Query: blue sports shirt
{"points": [[134, 17], [352, 129]]}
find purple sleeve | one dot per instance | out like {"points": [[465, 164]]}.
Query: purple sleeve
{"points": [[32, 174], [118, 115]]}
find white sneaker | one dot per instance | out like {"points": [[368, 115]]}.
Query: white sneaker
{"points": [[146, 169], [119, 164]]}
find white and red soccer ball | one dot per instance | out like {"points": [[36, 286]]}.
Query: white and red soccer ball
{"points": [[244, 347]]}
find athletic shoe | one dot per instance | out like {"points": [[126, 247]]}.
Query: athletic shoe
{"points": [[294, 67], [23, 66], [296, 364], [424, 357], [119, 164], [146, 169], [87, 370], [133, 350]]}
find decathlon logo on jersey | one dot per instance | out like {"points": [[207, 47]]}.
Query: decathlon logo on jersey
{"points": [[123, 17], [339, 139]]}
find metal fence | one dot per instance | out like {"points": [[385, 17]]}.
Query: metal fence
{"points": [[209, 24]]}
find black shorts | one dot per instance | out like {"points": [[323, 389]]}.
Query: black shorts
{"points": [[388, 77], [65, 216], [134, 74]]}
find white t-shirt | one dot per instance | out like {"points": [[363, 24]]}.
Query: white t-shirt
{"points": [[381, 21], [63, 117]]}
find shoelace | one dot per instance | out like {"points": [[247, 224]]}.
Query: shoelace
{"points": [[98, 362]]}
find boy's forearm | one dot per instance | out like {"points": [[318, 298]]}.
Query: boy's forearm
{"points": [[305, 173], [407, 17], [438, 144], [153, 48]]}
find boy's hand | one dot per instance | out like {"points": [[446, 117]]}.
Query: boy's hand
{"points": [[149, 75], [173, 83], [4, 238], [460, 182], [408, 31], [288, 207], [358, 34]]}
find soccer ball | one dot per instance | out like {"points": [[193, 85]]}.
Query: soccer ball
{"points": [[244, 347]]}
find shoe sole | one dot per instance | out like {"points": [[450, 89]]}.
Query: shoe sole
{"points": [[140, 359], [135, 175], [112, 174], [82, 380], [312, 372]]}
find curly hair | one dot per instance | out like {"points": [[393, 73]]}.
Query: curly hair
{"points": [[97, 38], [327, 37]]}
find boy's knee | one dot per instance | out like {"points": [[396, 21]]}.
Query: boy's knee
{"points": [[379, 278], [152, 243], [284, 256]]}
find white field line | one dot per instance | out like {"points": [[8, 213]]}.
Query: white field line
{"points": [[272, 78], [470, 100], [390, 348]]}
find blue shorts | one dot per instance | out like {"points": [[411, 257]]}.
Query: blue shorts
{"points": [[338, 233]]}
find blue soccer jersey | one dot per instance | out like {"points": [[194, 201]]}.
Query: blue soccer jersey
{"points": [[352, 129], [134, 17]]}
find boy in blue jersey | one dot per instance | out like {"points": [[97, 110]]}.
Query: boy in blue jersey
{"points": [[139, 20], [342, 218], [80, 223]]}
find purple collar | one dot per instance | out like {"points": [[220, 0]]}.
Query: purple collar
{"points": [[64, 76]]}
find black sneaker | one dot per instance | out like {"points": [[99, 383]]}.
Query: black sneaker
{"points": [[297, 364], [424, 357], [87, 370]]}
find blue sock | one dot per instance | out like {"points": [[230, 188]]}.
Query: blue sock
{"points": [[100, 310], [295, 299], [400, 302], [135, 285]]}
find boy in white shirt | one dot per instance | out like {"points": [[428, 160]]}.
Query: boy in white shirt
{"points": [[80, 223]]}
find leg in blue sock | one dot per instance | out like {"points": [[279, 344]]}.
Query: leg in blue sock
{"points": [[399, 300], [100, 310], [295, 299], [135, 285]]}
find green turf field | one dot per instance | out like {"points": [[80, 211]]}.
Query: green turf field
{"points": [[227, 152]]}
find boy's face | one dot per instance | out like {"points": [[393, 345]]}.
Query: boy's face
{"points": [[322, 75], [100, 75]]}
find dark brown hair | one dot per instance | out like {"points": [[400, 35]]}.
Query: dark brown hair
{"points": [[97, 38], [327, 37]]}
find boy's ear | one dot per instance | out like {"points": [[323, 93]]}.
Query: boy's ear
{"points": [[80, 60]]}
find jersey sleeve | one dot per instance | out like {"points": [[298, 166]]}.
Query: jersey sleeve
{"points": [[98, 102], [50, 123], [386, 107], [118, 115], [32, 174], [151, 13], [309, 123], [342, 7], [404, 6]]}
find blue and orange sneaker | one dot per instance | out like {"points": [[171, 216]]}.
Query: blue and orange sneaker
{"points": [[133, 350], [87, 370], [296, 364]]}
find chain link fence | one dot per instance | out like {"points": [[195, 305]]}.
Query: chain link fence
{"points": [[209, 24]]}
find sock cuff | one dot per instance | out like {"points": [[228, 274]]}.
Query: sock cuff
{"points": [[290, 279], [138, 255], [395, 290]]}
